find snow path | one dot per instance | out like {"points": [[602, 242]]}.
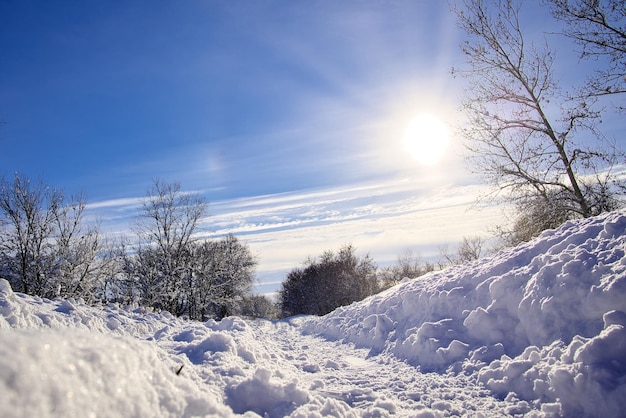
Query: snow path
{"points": [[371, 386], [275, 368]]}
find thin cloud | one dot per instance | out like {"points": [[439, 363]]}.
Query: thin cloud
{"points": [[129, 202], [380, 218]]}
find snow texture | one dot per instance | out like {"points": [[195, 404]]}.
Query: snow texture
{"points": [[537, 330]]}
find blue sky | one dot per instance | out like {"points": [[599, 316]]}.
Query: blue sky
{"points": [[287, 115], [237, 98]]}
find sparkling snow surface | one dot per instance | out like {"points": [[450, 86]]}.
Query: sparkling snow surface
{"points": [[538, 330]]}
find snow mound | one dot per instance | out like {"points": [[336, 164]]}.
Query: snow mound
{"points": [[261, 395], [48, 373], [543, 322]]}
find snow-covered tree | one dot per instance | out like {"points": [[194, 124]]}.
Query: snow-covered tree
{"points": [[46, 249], [259, 306], [80, 253], [222, 273], [167, 268], [165, 228]]}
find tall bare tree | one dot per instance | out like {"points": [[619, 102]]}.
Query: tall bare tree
{"points": [[523, 135]]}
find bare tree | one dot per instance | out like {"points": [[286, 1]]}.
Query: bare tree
{"points": [[599, 27], [169, 269], [46, 248], [29, 212], [165, 229], [523, 135], [78, 249], [470, 249], [409, 265]]}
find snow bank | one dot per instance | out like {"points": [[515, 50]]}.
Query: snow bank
{"points": [[543, 322], [62, 358]]}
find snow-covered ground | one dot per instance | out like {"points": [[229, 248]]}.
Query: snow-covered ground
{"points": [[538, 330]]}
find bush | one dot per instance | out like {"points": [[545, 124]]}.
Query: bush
{"points": [[408, 265], [321, 286]]}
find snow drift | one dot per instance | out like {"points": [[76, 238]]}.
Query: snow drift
{"points": [[543, 322], [538, 330]]}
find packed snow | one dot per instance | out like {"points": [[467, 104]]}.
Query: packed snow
{"points": [[537, 330]]}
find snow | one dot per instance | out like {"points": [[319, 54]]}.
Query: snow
{"points": [[537, 330]]}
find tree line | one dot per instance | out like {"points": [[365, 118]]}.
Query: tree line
{"points": [[47, 249]]}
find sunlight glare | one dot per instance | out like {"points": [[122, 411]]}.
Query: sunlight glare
{"points": [[426, 139]]}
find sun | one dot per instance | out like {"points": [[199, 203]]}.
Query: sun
{"points": [[426, 139]]}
